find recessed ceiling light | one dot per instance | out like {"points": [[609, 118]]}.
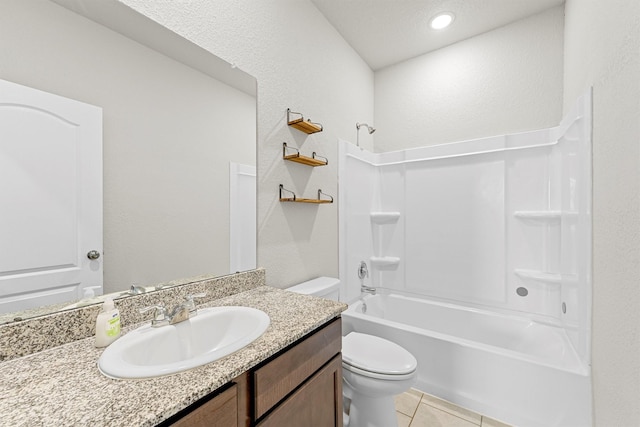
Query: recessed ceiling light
{"points": [[442, 20]]}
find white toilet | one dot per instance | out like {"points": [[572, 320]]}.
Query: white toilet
{"points": [[374, 369]]}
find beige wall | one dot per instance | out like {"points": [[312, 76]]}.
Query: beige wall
{"points": [[302, 63], [503, 81], [602, 50], [169, 134]]}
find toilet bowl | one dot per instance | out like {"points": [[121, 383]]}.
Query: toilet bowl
{"points": [[374, 369]]}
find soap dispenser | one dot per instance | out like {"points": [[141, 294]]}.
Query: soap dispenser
{"points": [[107, 324]]}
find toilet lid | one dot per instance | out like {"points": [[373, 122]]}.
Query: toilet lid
{"points": [[375, 354]]}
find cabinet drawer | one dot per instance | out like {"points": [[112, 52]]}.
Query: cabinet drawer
{"points": [[279, 377]]}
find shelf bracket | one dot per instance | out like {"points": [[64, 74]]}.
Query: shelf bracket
{"points": [[293, 199], [320, 194]]}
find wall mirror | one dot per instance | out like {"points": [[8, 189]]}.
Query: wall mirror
{"points": [[178, 122]]}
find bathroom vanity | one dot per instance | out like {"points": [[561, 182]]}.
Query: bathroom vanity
{"points": [[291, 375], [301, 385]]}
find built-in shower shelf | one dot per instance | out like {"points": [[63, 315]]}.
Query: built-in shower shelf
{"points": [[539, 276], [542, 215], [384, 217], [384, 262], [314, 160], [299, 123]]}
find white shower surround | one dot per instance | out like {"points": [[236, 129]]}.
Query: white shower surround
{"points": [[477, 223]]}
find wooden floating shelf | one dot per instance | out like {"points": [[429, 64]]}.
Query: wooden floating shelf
{"points": [[307, 127], [295, 199], [309, 161], [299, 200], [314, 160]]}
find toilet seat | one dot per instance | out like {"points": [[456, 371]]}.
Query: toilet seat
{"points": [[376, 357], [377, 376]]}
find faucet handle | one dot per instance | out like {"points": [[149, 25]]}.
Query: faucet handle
{"points": [[189, 301], [159, 312], [363, 271], [136, 289]]}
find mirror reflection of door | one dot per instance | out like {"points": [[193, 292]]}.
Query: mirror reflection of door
{"points": [[50, 198], [242, 217]]}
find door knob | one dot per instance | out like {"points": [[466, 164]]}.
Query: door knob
{"points": [[93, 254]]}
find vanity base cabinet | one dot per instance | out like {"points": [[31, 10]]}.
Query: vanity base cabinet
{"points": [[299, 386]]}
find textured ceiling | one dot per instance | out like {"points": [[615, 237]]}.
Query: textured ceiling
{"points": [[385, 32]]}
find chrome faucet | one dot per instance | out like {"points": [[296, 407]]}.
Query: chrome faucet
{"points": [[159, 315], [136, 289], [363, 272], [180, 313]]}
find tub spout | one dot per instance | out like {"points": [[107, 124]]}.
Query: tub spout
{"points": [[367, 290]]}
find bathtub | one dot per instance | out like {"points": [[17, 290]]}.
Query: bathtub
{"points": [[502, 366]]}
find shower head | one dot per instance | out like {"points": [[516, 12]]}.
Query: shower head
{"points": [[371, 129]]}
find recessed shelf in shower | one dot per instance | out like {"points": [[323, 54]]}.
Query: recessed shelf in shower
{"points": [[542, 215], [384, 217], [384, 262], [539, 276]]}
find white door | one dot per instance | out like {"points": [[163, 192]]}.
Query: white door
{"points": [[242, 217], [50, 198]]}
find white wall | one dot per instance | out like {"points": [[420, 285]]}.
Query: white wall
{"points": [[504, 81], [169, 134], [602, 49], [300, 62]]}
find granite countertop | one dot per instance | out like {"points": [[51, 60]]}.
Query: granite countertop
{"points": [[63, 386]]}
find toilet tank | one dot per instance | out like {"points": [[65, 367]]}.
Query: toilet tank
{"points": [[325, 287]]}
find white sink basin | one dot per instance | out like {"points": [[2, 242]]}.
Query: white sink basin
{"points": [[211, 335]]}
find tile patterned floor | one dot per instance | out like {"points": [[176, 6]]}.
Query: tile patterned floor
{"points": [[417, 409]]}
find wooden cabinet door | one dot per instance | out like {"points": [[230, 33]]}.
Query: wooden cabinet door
{"points": [[279, 377], [221, 411], [317, 403]]}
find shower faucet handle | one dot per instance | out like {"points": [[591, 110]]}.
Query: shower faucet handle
{"points": [[363, 271]]}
